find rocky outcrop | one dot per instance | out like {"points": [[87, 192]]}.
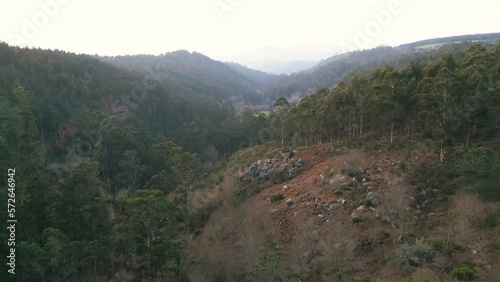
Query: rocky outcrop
{"points": [[288, 166]]}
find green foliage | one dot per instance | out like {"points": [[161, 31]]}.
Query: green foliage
{"points": [[463, 274], [282, 177], [131, 169], [80, 144], [271, 267], [152, 224], [277, 197], [240, 194], [437, 243], [491, 221], [368, 203], [479, 169], [336, 276]]}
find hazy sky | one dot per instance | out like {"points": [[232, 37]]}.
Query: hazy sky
{"points": [[222, 29]]}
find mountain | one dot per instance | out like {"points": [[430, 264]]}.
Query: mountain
{"points": [[237, 84], [285, 67], [329, 71], [280, 60], [196, 74]]}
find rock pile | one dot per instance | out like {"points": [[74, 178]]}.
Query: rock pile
{"points": [[288, 165]]}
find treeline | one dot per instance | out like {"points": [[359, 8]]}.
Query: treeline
{"points": [[451, 101], [333, 69]]}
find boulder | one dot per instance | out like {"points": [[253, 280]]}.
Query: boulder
{"points": [[299, 164], [337, 181], [283, 168], [253, 170], [345, 186], [312, 197], [374, 198], [292, 172], [289, 203], [270, 172]]}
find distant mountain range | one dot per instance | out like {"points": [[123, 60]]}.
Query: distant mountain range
{"points": [[195, 73]]}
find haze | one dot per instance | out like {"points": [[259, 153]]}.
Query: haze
{"points": [[240, 30]]}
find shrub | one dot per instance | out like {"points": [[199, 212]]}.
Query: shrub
{"points": [[335, 276], [220, 179], [277, 197], [271, 267], [480, 169], [282, 178], [414, 255], [402, 166], [437, 243], [351, 172], [369, 203], [491, 221], [424, 275], [239, 196], [463, 274]]}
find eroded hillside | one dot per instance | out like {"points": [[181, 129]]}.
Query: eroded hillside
{"points": [[346, 215]]}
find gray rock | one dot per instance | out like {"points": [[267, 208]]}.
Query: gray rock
{"points": [[289, 202], [270, 173], [253, 170], [283, 168], [292, 172], [337, 181], [299, 164], [345, 186], [374, 198]]}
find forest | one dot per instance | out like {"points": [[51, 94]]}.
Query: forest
{"points": [[109, 160]]}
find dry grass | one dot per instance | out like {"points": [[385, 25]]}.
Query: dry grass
{"points": [[353, 159]]}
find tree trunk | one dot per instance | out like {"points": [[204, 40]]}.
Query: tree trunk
{"points": [[392, 132], [361, 125], [331, 139], [467, 138], [282, 136]]}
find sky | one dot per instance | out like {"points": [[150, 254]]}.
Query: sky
{"points": [[238, 30]]}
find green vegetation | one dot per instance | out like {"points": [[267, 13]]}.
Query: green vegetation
{"points": [[277, 197], [463, 274], [424, 275], [106, 180]]}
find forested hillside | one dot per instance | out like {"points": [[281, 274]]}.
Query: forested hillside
{"points": [[119, 175], [333, 69], [83, 136], [196, 74], [448, 100]]}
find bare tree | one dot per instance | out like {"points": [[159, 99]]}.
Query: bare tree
{"points": [[338, 245], [396, 199]]}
